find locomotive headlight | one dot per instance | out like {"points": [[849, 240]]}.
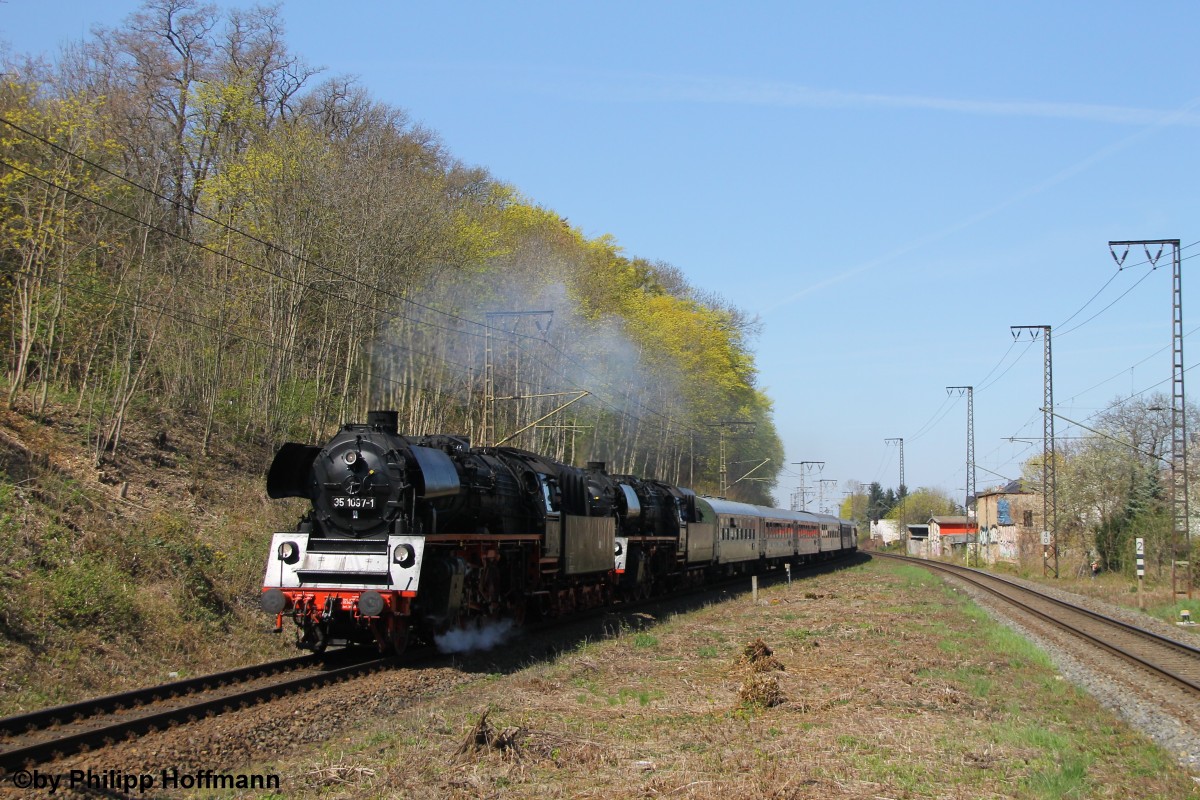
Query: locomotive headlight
{"points": [[350, 458], [289, 552], [405, 555]]}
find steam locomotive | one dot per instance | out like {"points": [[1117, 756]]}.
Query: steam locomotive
{"points": [[417, 536]]}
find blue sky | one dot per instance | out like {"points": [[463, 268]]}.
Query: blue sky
{"points": [[889, 185]]}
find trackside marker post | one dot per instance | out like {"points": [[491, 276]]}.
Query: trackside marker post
{"points": [[1140, 550]]}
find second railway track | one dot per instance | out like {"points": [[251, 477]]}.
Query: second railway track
{"points": [[1170, 660]]}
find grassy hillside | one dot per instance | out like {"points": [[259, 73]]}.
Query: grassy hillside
{"points": [[121, 570]]}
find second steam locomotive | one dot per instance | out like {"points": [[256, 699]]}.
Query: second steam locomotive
{"points": [[421, 535]]}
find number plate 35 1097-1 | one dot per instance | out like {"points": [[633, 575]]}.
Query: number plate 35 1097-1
{"points": [[366, 503]]}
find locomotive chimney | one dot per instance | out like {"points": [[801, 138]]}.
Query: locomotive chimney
{"points": [[597, 465], [387, 421]]}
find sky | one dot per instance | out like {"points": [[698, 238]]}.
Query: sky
{"points": [[887, 186]]}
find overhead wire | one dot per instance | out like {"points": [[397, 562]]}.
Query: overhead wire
{"points": [[1154, 267], [930, 422], [985, 383], [997, 379], [387, 313], [1131, 367], [1111, 278]]}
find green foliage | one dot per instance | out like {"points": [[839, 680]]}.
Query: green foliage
{"points": [[645, 640], [923, 504], [91, 593], [1113, 484], [193, 562], [1064, 779], [271, 289], [800, 635], [8, 508]]}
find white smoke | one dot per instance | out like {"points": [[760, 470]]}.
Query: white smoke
{"points": [[430, 366], [482, 636]]}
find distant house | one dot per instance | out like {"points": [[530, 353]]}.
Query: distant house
{"points": [[918, 539], [950, 535], [1010, 523], [886, 530]]}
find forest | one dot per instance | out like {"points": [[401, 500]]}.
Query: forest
{"points": [[198, 223]]}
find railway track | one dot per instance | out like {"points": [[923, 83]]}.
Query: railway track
{"points": [[41, 736], [1168, 660]]}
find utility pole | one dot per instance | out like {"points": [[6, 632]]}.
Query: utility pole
{"points": [[721, 426], [900, 441], [901, 488], [1181, 572], [806, 466], [970, 392], [1049, 464], [824, 482]]}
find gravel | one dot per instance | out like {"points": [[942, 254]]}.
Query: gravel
{"points": [[1168, 716]]}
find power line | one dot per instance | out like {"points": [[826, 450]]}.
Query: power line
{"points": [[1111, 278], [386, 314]]}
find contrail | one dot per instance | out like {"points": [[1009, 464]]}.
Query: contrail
{"points": [[1163, 121]]}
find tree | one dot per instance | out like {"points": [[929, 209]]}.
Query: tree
{"points": [[48, 225], [855, 505], [923, 504], [275, 258], [1112, 484]]}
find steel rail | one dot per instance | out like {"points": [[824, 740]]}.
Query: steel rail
{"points": [[44, 751], [17, 756], [970, 575], [70, 712]]}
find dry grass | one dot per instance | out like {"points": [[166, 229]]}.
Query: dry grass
{"points": [[760, 687], [883, 683], [117, 574]]}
